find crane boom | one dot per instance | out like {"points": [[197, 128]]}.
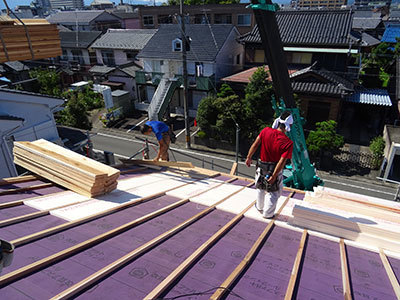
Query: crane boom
{"points": [[303, 174]]}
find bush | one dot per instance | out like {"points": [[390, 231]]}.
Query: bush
{"points": [[377, 146], [324, 138], [201, 134]]}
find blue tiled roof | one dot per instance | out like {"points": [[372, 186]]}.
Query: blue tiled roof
{"points": [[391, 33], [370, 96]]}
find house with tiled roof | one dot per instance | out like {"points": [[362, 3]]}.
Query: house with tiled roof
{"points": [[213, 53], [308, 36], [130, 20], [116, 53], [77, 55], [85, 20]]}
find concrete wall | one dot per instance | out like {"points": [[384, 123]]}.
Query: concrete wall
{"points": [[132, 24], [130, 84]]}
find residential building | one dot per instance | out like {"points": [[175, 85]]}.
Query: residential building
{"points": [[85, 20], [129, 20], [24, 116], [371, 4], [312, 4], [77, 55], [67, 4], [24, 12], [391, 166], [214, 53], [325, 95], [235, 14], [308, 37], [116, 53], [102, 4]]}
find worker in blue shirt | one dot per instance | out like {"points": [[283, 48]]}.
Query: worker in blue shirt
{"points": [[161, 130]]}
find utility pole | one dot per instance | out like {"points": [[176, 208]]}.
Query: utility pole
{"points": [[185, 75]]}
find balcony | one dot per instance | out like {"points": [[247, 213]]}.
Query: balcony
{"points": [[199, 83]]}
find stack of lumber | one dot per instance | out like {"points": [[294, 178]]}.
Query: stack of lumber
{"points": [[363, 219], [14, 45], [66, 168]]}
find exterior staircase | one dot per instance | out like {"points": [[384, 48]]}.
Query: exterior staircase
{"points": [[161, 98]]}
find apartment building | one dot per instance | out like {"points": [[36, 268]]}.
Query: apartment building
{"points": [[334, 4], [236, 14]]}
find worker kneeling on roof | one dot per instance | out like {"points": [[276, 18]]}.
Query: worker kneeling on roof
{"points": [[162, 132], [276, 148]]}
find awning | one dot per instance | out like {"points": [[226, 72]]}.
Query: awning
{"points": [[370, 96], [101, 70]]}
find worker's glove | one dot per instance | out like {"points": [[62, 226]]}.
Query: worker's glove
{"points": [[6, 254]]}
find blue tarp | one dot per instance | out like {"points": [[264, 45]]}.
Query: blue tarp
{"points": [[391, 33]]}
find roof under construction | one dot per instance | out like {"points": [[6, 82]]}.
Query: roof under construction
{"points": [[172, 232]]}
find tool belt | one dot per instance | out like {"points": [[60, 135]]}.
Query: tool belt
{"points": [[264, 170]]}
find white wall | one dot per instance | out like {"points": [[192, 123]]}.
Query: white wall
{"points": [[226, 58], [85, 55]]}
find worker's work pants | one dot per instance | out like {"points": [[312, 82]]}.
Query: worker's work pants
{"points": [[266, 201], [167, 141]]}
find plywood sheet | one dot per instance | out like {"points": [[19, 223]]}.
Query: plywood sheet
{"points": [[194, 189], [239, 201], [211, 197], [55, 200]]}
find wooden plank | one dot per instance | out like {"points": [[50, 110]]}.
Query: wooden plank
{"points": [[157, 163], [220, 292], [102, 273], [48, 174], [52, 259], [27, 188], [184, 266], [133, 170], [26, 239], [11, 180], [295, 270], [73, 155], [233, 169], [11, 204], [347, 292], [389, 271]]}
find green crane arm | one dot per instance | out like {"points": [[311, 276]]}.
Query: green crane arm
{"points": [[303, 174]]}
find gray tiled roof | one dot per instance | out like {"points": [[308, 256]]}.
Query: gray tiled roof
{"points": [[310, 27], [202, 48], [127, 39], [125, 15], [131, 70], [321, 82], [4, 116], [80, 16], [394, 14], [81, 39], [16, 66], [366, 23], [101, 69], [370, 96]]}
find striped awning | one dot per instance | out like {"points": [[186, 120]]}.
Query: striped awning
{"points": [[370, 96]]}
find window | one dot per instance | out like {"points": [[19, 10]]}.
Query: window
{"points": [[301, 58], [244, 20], [148, 21], [238, 59], [222, 19], [77, 56], [108, 58], [199, 69], [64, 55], [164, 19], [177, 45], [201, 19]]}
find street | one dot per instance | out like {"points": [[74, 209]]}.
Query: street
{"points": [[124, 146]]}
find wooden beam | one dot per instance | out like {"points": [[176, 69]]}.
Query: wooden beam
{"points": [[296, 266], [11, 204], [52, 259], [133, 170], [220, 292], [83, 284], [12, 180], [179, 164], [183, 267], [345, 272], [389, 271], [28, 188], [233, 169]]}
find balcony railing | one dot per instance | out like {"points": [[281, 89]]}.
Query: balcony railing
{"points": [[199, 83]]}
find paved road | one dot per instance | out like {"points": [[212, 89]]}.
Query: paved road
{"points": [[124, 146]]}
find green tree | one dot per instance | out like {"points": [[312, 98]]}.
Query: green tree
{"points": [[49, 81], [377, 146], [324, 138], [75, 113]]}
